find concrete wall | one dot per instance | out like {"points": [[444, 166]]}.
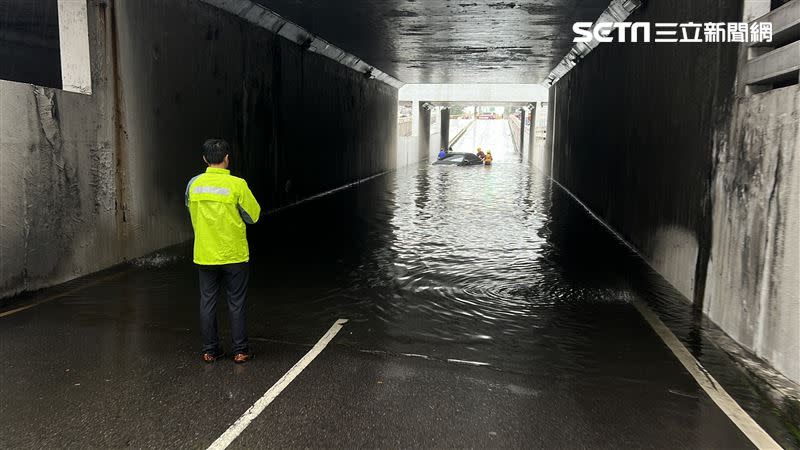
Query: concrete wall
{"points": [[414, 148], [407, 149], [658, 141], [535, 137], [89, 181], [59, 188], [753, 284]]}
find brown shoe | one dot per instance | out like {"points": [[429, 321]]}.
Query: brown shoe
{"points": [[209, 357], [241, 357]]}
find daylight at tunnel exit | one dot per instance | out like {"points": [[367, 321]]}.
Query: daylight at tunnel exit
{"points": [[545, 224]]}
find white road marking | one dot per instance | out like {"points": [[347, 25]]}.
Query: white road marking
{"points": [[471, 363], [724, 401], [258, 407], [416, 355]]}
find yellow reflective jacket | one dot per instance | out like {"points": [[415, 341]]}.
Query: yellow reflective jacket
{"points": [[220, 204]]}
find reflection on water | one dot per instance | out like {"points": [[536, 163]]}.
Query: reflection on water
{"points": [[471, 257], [493, 265], [488, 264], [485, 264], [470, 263]]}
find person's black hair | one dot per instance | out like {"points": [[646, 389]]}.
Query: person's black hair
{"points": [[215, 150]]}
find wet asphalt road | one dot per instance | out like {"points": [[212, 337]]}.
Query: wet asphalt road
{"points": [[438, 269]]}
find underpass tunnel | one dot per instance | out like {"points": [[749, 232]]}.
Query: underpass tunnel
{"points": [[622, 273], [432, 116]]}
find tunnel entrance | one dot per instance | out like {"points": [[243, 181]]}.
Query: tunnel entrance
{"points": [[432, 117]]}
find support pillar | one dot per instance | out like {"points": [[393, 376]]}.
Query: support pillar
{"points": [[423, 130], [415, 115], [549, 146], [532, 134], [522, 131], [444, 131]]}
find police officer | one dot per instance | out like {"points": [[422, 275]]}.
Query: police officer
{"points": [[220, 205]]}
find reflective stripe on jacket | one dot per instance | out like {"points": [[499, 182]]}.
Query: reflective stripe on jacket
{"points": [[219, 205]]}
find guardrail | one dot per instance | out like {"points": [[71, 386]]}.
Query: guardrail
{"points": [[460, 134]]}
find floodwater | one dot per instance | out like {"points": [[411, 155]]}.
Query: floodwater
{"points": [[453, 264], [493, 266], [477, 266]]}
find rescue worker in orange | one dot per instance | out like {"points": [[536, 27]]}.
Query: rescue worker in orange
{"points": [[488, 160]]}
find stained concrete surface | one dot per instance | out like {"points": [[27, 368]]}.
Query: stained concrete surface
{"points": [[756, 247], [527, 284], [431, 41], [90, 181]]}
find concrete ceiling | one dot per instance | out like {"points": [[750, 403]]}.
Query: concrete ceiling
{"points": [[447, 41]]}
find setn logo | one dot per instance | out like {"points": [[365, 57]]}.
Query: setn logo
{"points": [[601, 32], [672, 32]]}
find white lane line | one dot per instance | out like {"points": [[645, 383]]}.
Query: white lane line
{"points": [[416, 355], [470, 363], [258, 407], [724, 401]]}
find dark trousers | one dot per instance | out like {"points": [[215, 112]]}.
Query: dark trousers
{"points": [[234, 277]]}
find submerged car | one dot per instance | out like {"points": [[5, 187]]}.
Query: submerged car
{"points": [[459, 159]]}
